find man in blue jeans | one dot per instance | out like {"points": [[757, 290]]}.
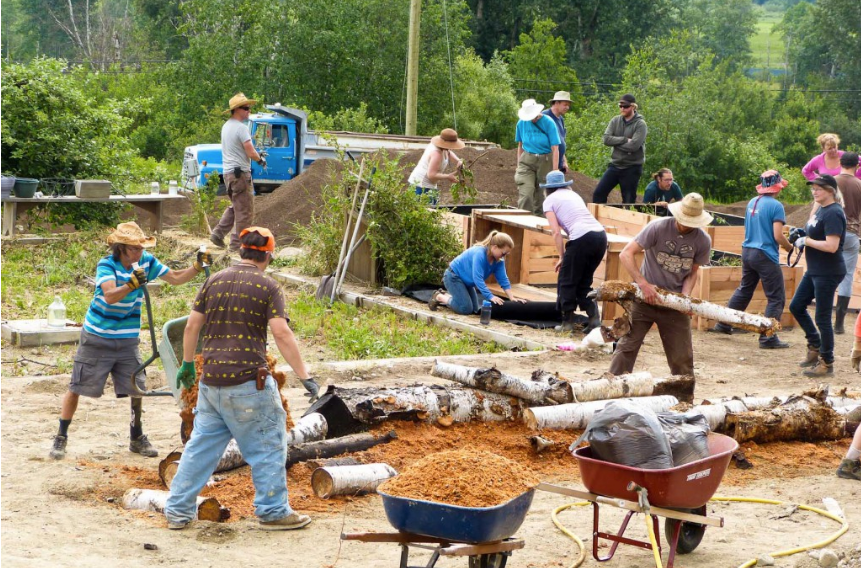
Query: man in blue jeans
{"points": [[235, 308], [760, 261], [626, 134]]}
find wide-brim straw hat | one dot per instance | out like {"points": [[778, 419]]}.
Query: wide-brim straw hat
{"points": [[529, 109], [239, 100], [130, 234], [561, 96], [690, 211], [447, 139], [770, 182]]}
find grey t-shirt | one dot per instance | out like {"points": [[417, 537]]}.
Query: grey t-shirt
{"points": [[670, 255], [234, 134]]}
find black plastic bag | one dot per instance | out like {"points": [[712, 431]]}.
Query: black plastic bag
{"points": [[688, 434]]}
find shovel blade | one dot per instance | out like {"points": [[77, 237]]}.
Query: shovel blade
{"points": [[324, 290]]}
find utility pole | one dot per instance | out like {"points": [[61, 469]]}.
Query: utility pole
{"points": [[413, 67]]}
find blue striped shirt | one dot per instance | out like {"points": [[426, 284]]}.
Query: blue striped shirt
{"points": [[121, 320]]}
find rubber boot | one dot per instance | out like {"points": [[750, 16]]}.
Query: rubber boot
{"points": [[568, 324], [594, 317], [812, 357], [840, 314]]}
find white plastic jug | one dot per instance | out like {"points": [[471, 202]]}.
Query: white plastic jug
{"points": [[57, 313]]}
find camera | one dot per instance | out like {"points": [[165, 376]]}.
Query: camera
{"points": [[795, 233]]}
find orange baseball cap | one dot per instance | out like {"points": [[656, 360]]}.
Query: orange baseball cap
{"points": [[270, 243]]}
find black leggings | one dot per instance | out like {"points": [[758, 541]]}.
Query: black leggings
{"points": [[582, 257]]}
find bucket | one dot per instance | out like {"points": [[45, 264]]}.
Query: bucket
{"points": [[7, 184], [25, 187]]}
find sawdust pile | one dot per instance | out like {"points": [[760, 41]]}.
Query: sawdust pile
{"points": [[189, 396], [466, 478]]}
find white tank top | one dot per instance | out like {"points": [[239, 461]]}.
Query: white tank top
{"points": [[419, 176]]}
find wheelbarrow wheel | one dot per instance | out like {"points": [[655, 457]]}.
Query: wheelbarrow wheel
{"points": [[492, 560], [690, 535]]}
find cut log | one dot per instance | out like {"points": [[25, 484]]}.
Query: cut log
{"points": [[621, 292], [310, 428], [167, 468], [799, 418], [331, 462], [576, 416], [632, 384], [493, 380], [208, 508], [350, 479], [336, 447]]}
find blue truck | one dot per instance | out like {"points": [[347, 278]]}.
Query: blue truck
{"points": [[283, 136]]}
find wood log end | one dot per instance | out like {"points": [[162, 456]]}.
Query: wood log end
{"points": [[210, 510], [167, 467], [530, 420]]}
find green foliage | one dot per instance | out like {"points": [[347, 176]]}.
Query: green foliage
{"points": [[349, 119], [408, 238], [204, 205], [540, 61], [724, 28], [486, 105], [371, 334]]}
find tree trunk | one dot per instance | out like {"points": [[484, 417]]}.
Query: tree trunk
{"points": [[621, 292], [310, 428], [336, 447], [208, 508], [493, 380], [576, 416], [630, 385], [350, 479], [799, 418]]}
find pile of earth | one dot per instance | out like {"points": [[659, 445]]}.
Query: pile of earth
{"points": [[295, 201]]}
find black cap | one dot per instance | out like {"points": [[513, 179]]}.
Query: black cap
{"points": [[628, 98], [849, 160], [824, 180]]}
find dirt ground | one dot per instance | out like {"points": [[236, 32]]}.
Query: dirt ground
{"points": [[67, 514]]}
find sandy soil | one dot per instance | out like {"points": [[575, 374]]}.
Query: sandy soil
{"points": [[66, 513]]}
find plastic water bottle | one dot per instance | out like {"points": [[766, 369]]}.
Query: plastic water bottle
{"points": [[485, 312], [57, 313], [172, 188], [154, 188]]}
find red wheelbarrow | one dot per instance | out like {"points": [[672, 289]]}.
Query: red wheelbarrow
{"points": [[678, 494]]}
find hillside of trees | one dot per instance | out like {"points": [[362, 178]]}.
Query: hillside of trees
{"points": [[118, 88]]}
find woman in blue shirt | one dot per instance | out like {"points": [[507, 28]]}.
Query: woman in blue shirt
{"points": [[467, 273]]}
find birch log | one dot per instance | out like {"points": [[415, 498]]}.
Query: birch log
{"points": [[433, 403], [576, 416], [336, 447], [617, 291], [350, 479], [310, 428], [494, 380], [208, 508], [632, 384]]}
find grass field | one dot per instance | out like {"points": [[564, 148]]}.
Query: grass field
{"points": [[767, 47]]}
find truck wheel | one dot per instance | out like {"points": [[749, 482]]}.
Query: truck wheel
{"points": [[690, 535], [264, 188]]}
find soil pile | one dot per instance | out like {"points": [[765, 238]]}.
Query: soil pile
{"points": [[471, 478], [294, 202], [798, 218]]}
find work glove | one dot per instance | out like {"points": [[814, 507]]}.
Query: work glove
{"points": [[855, 359], [312, 387], [203, 259], [799, 242], [185, 376], [138, 279], [262, 162]]}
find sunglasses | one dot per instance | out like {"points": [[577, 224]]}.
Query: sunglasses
{"points": [[245, 108], [624, 106]]}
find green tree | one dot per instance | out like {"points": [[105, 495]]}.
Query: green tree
{"points": [[723, 28], [486, 103]]}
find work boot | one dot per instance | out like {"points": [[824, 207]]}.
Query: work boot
{"points": [[722, 328], [772, 342], [812, 357], [291, 522], [58, 452], [822, 369], [568, 322], [594, 317], [217, 241], [840, 314], [143, 447], [849, 469], [434, 303], [178, 525]]}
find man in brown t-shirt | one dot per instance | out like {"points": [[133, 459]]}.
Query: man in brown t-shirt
{"points": [[850, 188], [234, 309], [674, 248]]}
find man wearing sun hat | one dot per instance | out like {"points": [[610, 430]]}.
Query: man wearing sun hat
{"points": [[760, 258], [626, 134], [537, 154], [110, 335], [235, 309], [560, 104], [237, 151], [674, 248]]}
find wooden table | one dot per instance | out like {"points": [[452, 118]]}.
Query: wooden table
{"points": [[152, 204]]}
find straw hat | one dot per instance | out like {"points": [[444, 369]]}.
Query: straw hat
{"points": [[770, 182], [555, 180], [239, 100], [447, 139], [130, 234], [529, 110], [561, 96], [690, 211]]}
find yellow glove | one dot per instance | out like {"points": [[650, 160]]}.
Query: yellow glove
{"points": [[138, 279], [203, 259]]}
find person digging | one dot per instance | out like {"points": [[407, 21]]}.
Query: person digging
{"points": [[110, 335]]}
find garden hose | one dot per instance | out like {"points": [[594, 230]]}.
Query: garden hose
{"points": [[656, 551], [844, 527]]}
